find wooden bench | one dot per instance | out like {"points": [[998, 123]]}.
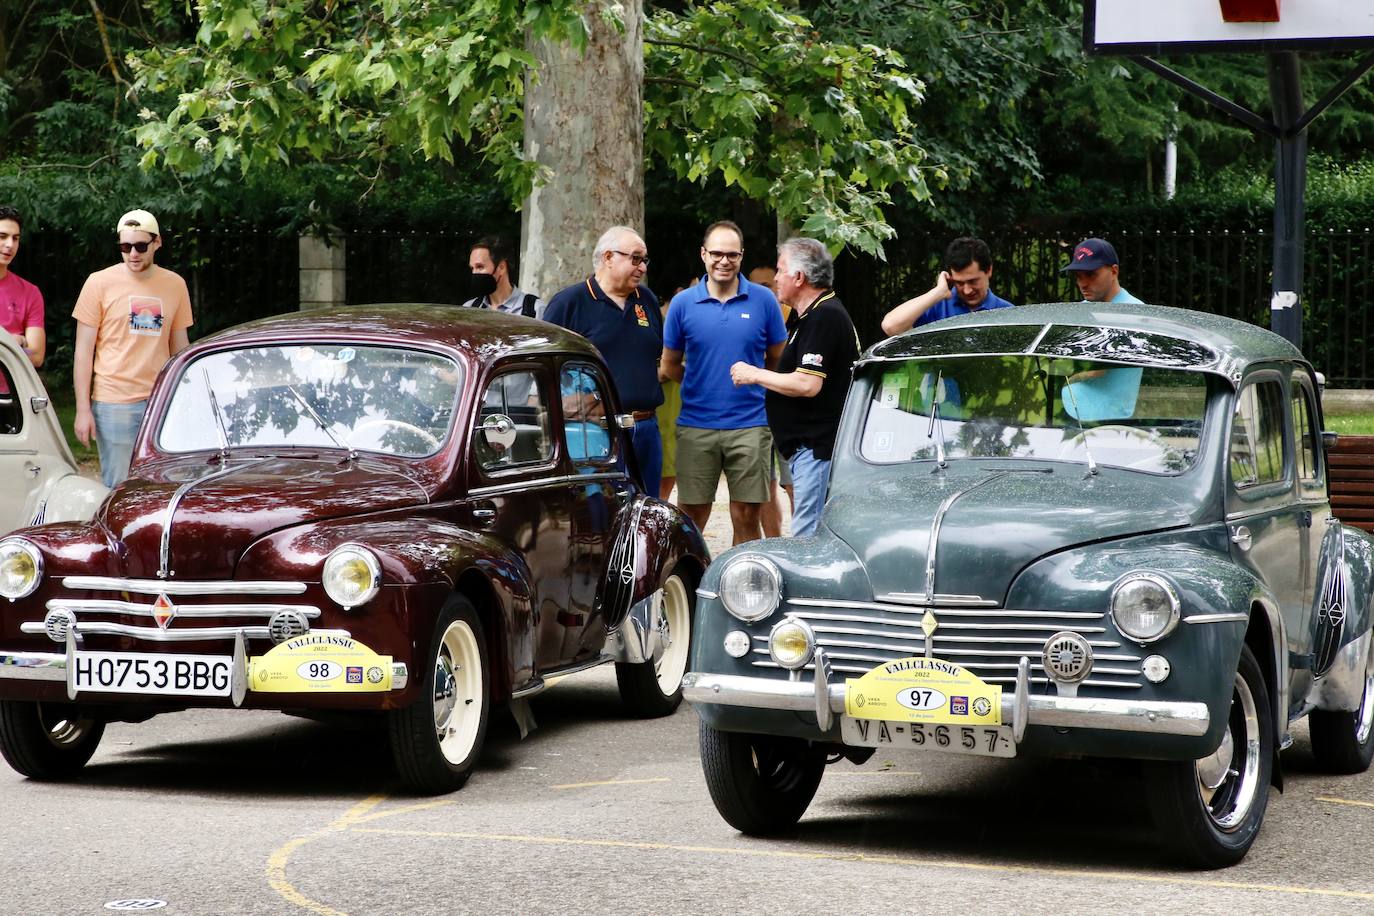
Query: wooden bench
{"points": [[1350, 466]]}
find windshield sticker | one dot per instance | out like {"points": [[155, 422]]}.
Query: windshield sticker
{"points": [[346, 355], [892, 391]]}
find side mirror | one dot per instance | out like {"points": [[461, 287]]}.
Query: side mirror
{"points": [[1329, 439], [498, 432], [625, 420]]}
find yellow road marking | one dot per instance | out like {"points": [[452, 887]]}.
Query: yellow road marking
{"points": [[1345, 801], [611, 782], [877, 859], [406, 809], [277, 861]]}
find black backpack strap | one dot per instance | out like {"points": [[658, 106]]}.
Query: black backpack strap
{"points": [[528, 308]]}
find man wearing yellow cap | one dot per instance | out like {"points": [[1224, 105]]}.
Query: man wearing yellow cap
{"points": [[130, 319]]}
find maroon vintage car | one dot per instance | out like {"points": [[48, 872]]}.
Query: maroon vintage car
{"points": [[408, 511]]}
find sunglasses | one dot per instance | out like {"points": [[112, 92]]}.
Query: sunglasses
{"points": [[140, 247]]}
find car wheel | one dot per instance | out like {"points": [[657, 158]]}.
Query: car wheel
{"points": [[654, 687], [1343, 742], [761, 784], [1210, 810], [44, 740], [436, 740]]}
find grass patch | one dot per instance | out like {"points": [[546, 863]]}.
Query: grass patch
{"points": [[1353, 424]]}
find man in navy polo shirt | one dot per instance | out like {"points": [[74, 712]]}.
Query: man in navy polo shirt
{"points": [[614, 311], [722, 320], [961, 288]]}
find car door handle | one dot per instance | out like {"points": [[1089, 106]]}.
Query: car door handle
{"points": [[1240, 536], [484, 511], [33, 469]]}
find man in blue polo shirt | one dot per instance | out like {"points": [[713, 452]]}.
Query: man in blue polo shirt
{"points": [[614, 311], [961, 288], [722, 320]]}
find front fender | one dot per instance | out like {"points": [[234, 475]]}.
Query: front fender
{"points": [[71, 498], [664, 536]]}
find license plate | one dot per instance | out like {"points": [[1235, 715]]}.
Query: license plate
{"points": [[134, 672], [984, 740]]}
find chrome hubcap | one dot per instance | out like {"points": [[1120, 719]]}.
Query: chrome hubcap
{"points": [[458, 687], [674, 616], [1228, 780]]}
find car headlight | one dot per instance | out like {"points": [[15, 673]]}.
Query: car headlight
{"points": [[21, 568], [352, 576], [750, 588], [791, 643], [1145, 606]]}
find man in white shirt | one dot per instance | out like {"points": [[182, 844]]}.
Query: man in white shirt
{"points": [[490, 284]]}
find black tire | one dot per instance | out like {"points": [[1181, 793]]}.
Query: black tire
{"points": [[1209, 811], [41, 741], [437, 739], [1343, 742], [761, 784], [653, 688]]}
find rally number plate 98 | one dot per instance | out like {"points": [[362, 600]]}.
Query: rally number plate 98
{"points": [[164, 675], [983, 740]]}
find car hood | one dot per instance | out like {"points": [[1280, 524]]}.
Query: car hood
{"points": [[994, 524], [221, 511]]}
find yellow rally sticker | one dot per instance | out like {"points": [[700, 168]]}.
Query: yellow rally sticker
{"points": [[923, 690], [320, 663]]}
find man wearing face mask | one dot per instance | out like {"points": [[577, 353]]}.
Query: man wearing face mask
{"points": [[490, 285]]}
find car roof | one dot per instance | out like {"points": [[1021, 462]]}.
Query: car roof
{"points": [[1206, 342], [480, 335]]}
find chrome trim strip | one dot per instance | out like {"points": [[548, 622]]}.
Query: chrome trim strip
{"points": [[910, 598], [976, 667], [33, 666], [904, 647], [542, 483], [1216, 618], [939, 606], [164, 552], [1161, 718], [108, 606], [935, 528], [154, 587], [703, 593], [153, 634]]}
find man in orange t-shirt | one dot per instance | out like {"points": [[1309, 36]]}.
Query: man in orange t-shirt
{"points": [[130, 319]]}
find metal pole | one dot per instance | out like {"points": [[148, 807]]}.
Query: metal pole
{"points": [[1290, 181]]}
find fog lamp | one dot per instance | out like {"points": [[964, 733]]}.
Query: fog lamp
{"points": [[1145, 606], [351, 576], [21, 568], [791, 643]]}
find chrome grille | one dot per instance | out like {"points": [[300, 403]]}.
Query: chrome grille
{"points": [[197, 620], [988, 641]]}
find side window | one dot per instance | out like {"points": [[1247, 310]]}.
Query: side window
{"points": [[1306, 447], [1257, 435], [518, 396], [585, 423], [11, 411]]}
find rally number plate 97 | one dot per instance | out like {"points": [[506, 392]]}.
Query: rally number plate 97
{"points": [[164, 675], [983, 740]]}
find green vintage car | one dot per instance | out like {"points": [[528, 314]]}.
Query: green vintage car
{"points": [[1055, 530]]}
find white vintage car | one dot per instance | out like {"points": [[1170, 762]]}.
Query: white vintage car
{"points": [[41, 483]]}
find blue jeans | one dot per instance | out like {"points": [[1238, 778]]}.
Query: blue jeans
{"points": [[116, 427], [649, 453], [810, 476]]}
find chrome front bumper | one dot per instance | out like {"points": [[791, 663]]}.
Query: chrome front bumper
{"points": [[1019, 708]]}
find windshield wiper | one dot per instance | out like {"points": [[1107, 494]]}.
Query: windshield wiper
{"points": [[935, 398], [219, 417], [321, 424], [1082, 432]]}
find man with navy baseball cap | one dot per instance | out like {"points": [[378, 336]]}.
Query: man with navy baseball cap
{"points": [[1096, 269]]}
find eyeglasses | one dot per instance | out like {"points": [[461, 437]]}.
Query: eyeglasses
{"points": [[140, 247], [731, 256], [635, 259]]}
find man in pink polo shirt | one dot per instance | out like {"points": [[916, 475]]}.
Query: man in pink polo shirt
{"points": [[21, 304], [130, 319]]}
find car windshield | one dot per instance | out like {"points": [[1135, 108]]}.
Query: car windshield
{"points": [[1007, 407], [373, 399]]}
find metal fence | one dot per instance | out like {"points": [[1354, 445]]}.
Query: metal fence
{"points": [[239, 273]]}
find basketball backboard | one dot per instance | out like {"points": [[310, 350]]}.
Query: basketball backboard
{"points": [[1191, 26]]}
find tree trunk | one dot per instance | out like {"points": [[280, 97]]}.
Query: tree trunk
{"points": [[584, 121]]}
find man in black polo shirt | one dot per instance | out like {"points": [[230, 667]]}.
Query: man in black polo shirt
{"points": [[806, 395], [614, 311]]}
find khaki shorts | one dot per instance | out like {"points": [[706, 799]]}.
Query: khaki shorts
{"points": [[743, 454]]}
